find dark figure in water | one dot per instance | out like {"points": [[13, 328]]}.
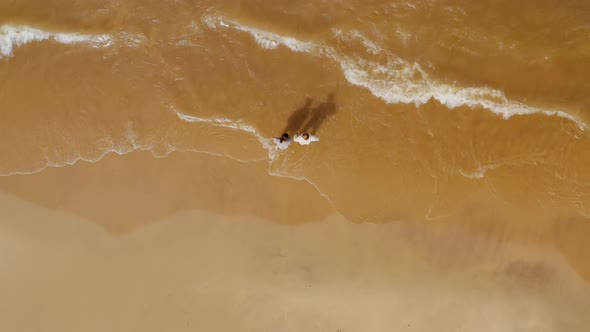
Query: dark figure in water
{"points": [[283, 141], [284, 137]]}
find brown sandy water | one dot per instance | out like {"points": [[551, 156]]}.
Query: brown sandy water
{"points": [[142, 190]]}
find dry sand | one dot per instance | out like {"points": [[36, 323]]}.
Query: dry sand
{"points": [[66, 267]]}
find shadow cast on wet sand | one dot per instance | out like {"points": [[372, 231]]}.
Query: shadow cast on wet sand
{"points": [[308, 119]]}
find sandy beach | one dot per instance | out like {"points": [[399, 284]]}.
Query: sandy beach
{"points": [[237, 265], [141, 187]]}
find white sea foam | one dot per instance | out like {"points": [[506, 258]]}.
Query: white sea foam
{"points": [[15, 36], [129, 39], [107, 145], [265, 39], [271, 40], [402, 82], [210, 22], [369, 45], [480, 172], [120, 150], [227, 123], [397, 81], [104, 146]]}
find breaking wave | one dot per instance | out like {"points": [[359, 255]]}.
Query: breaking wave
{"points": [[396, 81], [12, 37]]}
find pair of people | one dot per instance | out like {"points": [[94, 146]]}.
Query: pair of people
{"points": [[301, 138]]}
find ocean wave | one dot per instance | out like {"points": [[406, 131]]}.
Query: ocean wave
{"points": [[12, 37], [265, 39], [16, 36], [227, 123], [108, 145], [104, 146], [396, 81], [478, 173], [400, 81], [351, 35]]}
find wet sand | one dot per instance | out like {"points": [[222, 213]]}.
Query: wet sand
{"points": [[71, 262], [140, 187]]}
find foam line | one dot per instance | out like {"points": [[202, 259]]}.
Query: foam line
{"points": [[108, 146], [227, 123], [12, 37], [397, 81]]}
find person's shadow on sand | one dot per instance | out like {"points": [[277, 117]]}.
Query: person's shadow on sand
{"points": [[309, 120], [298, 118]]}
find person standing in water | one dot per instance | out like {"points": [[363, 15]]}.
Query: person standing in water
{"points": [[307, 121], [283, 142], [305, 138]]}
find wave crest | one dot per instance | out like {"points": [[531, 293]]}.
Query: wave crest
{"points": [[396, 81], [12, 37]]}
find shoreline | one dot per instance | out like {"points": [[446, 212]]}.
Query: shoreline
{"points": [[195, 268], [122, 193]]}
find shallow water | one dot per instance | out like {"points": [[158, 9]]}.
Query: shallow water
{"points": [[472, 115]]}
